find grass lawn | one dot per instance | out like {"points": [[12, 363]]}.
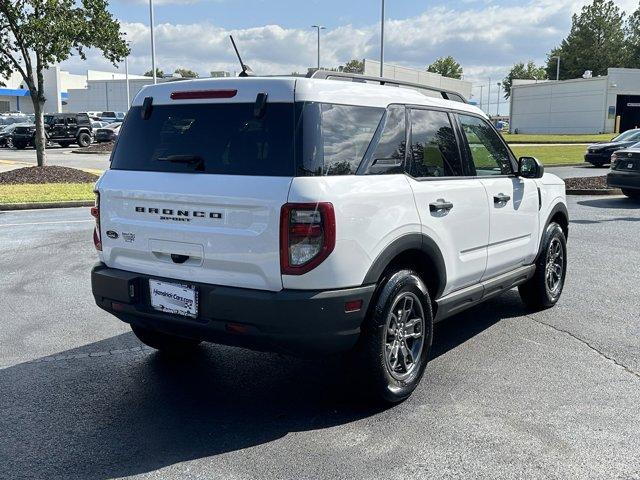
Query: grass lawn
{"points": [[592, 138], [47, 192], [552, 155]]}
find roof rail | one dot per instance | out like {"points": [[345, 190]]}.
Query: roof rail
{"points": [[391, 82]]}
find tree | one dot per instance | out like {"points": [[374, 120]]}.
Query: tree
{"points": [[596, 42], [352, 66], [186, 73], [633, 40], [37, 34], [159, 73], [520, 71], [447, 67]]}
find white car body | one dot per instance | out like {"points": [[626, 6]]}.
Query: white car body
{"points": [[240, 248]]}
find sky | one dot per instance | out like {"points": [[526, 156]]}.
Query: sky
{"points": [[275, 36]]}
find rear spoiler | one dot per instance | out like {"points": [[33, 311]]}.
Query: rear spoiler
{"points": [[390, 82]]}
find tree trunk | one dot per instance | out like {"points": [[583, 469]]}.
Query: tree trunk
{"points": [[41, 140]]}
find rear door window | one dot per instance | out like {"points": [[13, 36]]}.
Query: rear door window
{"points": [[434, 149], [209, 138], [334, 138]]}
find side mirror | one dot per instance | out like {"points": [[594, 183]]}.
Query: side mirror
{"points": [[530, 167]]}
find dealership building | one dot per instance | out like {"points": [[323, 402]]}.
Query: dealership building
{"points": [[68, 92], [607, 104], [107, 91]]}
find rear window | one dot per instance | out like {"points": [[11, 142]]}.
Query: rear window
{"points": [[209, 138]]}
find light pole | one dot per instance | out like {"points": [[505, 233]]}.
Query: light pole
{"points": [[153, 43], [382, 42], [318, 27], [557, 57], [481, 97], [126, 74], [489, 98], [498, 107]]}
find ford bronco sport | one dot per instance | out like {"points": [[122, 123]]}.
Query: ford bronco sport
{"points": [[308, 216]]}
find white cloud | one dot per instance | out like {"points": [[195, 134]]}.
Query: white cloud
{"points": [[486, 38]]}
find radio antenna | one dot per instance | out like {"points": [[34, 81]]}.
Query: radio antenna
{"points": [[246, 70]]}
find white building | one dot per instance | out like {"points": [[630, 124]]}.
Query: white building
{"points": [[63, 91], [609, 103], [422, 77]]}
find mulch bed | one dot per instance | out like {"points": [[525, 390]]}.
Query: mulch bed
{"points": [[587, 183], [105, 147], [48, 174]]}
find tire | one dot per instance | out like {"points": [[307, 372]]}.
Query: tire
{"points": [[84, 139], [634, 194], [164, 342], [389, 339], [544, 289], [598, 164], [64, 144]]}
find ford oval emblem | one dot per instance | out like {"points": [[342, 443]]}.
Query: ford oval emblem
{"points": [[111, 234]]}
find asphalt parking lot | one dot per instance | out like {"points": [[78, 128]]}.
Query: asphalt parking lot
{"points": [[507, 394], [10, 159]]}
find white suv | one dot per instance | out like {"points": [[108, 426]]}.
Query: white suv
{"points": [[318, 216]]}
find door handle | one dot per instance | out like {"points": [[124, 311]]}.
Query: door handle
{"points": [[440, 206], [501, 198]]}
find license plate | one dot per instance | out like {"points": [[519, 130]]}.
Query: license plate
{"points": [[174, 298], [630, 165]]}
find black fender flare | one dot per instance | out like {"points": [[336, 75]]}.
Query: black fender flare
{"points": [[410, 241], [558, 208]]}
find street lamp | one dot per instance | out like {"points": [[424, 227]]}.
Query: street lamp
{"points": [[557, 57], [318, 27], [498, 107], [153, 43], [382, 42]]}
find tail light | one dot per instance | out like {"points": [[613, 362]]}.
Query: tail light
{"points": [[95, 213], [307, 236]]}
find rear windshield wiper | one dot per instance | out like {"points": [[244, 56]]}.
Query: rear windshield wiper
{"points": [[196, 160], [190, 159]]}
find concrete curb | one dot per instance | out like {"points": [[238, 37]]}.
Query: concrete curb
{"points": [[567, 165], [42, 205], [586, 191], [91, 153]]}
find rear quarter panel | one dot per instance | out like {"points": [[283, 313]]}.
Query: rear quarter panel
{"points": [[371, 212]]}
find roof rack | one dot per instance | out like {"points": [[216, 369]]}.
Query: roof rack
{"points": [[390, 82]]}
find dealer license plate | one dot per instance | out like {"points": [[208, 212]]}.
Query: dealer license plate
{"points": [[174, 298]]}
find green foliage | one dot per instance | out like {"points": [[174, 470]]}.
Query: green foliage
{"points": [[186, 73], [37, 34], [596, 42], [520, 71], [447, 67], [352, 66], [159, 73]]}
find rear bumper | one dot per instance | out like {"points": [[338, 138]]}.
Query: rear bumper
{"points": [[301, 322], [598, 158], [622, 179]]}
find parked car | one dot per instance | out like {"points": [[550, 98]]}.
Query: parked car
{"points": [[108, 133], [318, 216], [68, 128], [112, 117], [23, 135], [599, 154], [6, 132], [96, 124], [625, 171]]}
